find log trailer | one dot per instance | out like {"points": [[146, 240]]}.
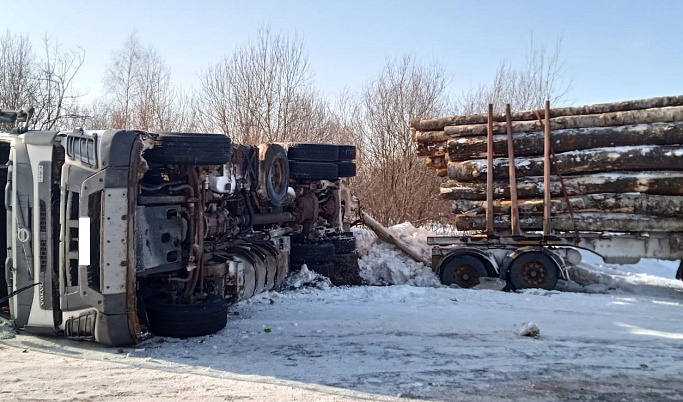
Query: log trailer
{"points": [[616, 188], [116, 234]]}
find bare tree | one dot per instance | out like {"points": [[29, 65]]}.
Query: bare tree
{"points": [[17, 64], [393, 183], [46, 83], [120, 81], [262, 92], [139, 90], [55, 98], [541, 77]]}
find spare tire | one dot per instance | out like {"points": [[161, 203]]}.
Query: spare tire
{"points": [[313, 170], [273, 174], [346, 152], [190, 149], [187, 320], [313, 152]]}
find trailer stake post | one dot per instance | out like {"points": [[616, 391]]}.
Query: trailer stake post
{"points": [[546, 172], [489, 175], [514, 209]]}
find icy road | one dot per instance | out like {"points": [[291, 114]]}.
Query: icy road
{"points": [[386, 343]]}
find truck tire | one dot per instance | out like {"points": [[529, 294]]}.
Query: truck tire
{"points": [[463, 270], [533, 270], [313, 152], [323, 268], [346, 169], [313, 171], [190, 149], [347, 270], [311, 253], [346, 152], [188, 320], [273, 174], [344, 243]]}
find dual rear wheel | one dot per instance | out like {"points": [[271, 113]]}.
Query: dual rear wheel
{"points": [[530, 269]]}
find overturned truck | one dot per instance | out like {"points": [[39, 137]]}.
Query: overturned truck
{"points": [[114, 234], [530, 187]]}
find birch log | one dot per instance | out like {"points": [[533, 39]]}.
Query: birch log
{"points": [[437, 124], [583, 161], [632, 203], [657, 183], [431, 149], [645, 116], [585, 222], [530, 144]]}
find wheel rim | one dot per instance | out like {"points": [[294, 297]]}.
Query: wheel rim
{"points": [[534, 274], [465, 276], [277, 176]]}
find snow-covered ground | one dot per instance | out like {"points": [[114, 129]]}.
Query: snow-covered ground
{"points": [[618, 337]]}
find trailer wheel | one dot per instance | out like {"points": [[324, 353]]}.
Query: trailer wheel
{"points": [[190, 149], [187, 320], [463, 270], [533, 270]]}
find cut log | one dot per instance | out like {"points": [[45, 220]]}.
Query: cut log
{"points": [[437, 124], [646, 116], [652, 157], [632, 203], [531, 144], [657, 183], [386, 236], [584, 222], [431, 149], [430, 136], [437, 162]]}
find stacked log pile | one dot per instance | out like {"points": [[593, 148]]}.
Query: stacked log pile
{"points": [[621, 164]]}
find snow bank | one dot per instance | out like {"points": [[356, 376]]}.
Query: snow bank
{"points": [[6, 332], [649, 277], [383, 264], [306, 277]]}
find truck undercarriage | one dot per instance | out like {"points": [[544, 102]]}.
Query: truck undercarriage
{"points": [[116, 234]]}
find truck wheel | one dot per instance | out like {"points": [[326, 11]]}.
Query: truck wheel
{"points": [[533, 270], [347, 152], [463, 270], [347, 270], [313, 152], [187, 320], [344, 243], [323, 268], [313, 171], [346, 169], [190, 149], [273, 174], [311, 253]]}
